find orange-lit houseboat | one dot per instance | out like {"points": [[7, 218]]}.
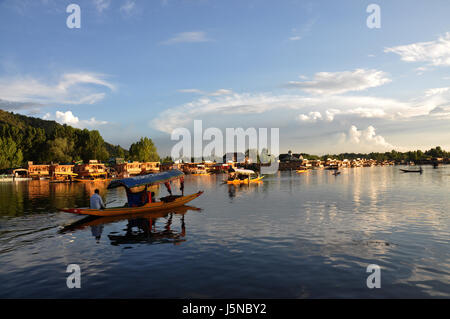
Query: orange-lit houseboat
{"points": [[92, 172], [62, 173], [38, 171], [150, 167]]}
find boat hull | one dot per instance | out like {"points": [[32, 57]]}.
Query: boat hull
{"points": [[118, 211], [245, 181], [80, 180], [409, 171]]}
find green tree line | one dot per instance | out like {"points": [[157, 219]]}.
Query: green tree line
{"points": [[414, 156], [25, 138]]}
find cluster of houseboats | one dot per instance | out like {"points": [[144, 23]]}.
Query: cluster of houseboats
{"points": [[81, 172], [118, 168]]}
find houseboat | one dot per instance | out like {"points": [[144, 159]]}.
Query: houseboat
{"points": [[125, 170], [38, 171], [150, 167], [62, 173], [94, 171]]}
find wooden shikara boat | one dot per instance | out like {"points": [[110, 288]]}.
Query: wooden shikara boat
{"points": [[412, 171], [85, 180], [241, 173], [301, 170], [149, 207], [138, 182]]}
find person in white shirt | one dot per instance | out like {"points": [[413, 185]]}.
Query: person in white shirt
{"points": [[97, 201]]}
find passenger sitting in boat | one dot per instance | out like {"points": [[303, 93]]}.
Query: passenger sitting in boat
{"points": [[182, 185], [137, 199], [169, 189], [96, 201], [151, 197]]}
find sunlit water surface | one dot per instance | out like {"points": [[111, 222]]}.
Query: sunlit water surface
{"points": [[306, 235]]}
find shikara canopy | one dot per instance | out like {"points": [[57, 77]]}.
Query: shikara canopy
{"points": [[150, 179], [244, 171]]}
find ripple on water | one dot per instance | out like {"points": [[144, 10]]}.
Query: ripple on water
{"points": [[294, 236]]}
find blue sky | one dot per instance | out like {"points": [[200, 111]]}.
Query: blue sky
{"points": [[311, 68]]}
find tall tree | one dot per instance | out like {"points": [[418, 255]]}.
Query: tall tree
{"points": [[10, 155], [92, 146], [60, 150], [144, 151]]}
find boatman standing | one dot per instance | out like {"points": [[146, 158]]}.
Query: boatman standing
{"points": [[97, 201]]}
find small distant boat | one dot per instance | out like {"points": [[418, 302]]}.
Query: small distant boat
{"points": [[246, 181], [243, 176], [336, 173], [412, 170]]}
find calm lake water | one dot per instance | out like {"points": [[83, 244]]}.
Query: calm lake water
{"points": [[306, 235]]}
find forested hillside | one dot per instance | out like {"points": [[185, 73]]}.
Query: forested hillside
{"points": [[24, 138]]}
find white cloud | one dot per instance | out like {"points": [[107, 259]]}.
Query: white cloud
{"points": [[72, 88], [215, 93], [196, 91], [66, 118], [128, 8], [435, 53], [70, 119], [188, 37], [252, 104], [225, 108], [295, 38], [342, 82], [312, 117], [329, 115], [365, 140], [221, 92], [102, 5], [70, 79]]}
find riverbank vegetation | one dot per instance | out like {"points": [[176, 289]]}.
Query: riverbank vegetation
{"points": [[24, 139]]}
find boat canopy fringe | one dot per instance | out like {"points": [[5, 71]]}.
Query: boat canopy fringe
{"points": [[244, 171], [149, 180]]}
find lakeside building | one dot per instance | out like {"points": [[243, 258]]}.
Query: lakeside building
{"points": [[62, 172], [135, 168], [150, 167], [94, 169], [38, 171], [205, 167]]}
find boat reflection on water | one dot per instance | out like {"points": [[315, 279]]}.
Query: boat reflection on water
{"points": [[141, 228], [236, 190]]}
